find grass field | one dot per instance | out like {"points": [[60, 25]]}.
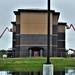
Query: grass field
{"points": [[34, 64]]}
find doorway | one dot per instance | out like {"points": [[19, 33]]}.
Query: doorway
{"points": [[36, 51]]}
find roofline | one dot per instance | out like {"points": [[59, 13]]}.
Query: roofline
{"points": [[62, 23], [14, 23], [16, 12], [35, 11], [57, 13]]}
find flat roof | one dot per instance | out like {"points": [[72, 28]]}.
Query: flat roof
{"points": [[14, 23], [36, 11], [62, 23]]}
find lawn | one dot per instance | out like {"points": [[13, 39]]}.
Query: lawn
{"points": [[34, 64]]}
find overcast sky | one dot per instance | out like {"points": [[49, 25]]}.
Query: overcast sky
{"points": [[65, 7]]}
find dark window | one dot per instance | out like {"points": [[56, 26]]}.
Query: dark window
{"points": [[17, 40], [54, 40], [61, 44], [14, 44], [51, 39], [18, 29], [33, 39], [54, 51], [61, 36], [55, 29]]}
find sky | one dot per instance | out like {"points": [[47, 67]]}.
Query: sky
{"points": [[65, 7]]}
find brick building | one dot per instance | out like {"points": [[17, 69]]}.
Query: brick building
{"points": [[30, 33]]}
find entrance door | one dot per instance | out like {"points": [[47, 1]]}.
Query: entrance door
{"points": [[36, 54]]}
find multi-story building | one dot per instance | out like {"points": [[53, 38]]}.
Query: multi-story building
{"points": [[30, 33]]}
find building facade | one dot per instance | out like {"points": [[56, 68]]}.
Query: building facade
{"points": [[30, 34]]}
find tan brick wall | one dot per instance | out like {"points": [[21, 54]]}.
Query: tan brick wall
{"points": [[33, 23], [17, 19], [55, 19], [61, 28], [14, 28]]}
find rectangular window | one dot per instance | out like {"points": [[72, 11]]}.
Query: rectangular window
{"points": [[61, 36], [55, 29], [54, 40], [61, 44]]}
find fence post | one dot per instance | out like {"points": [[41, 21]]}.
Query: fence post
{"points": [[41, 53], [30, 53]]}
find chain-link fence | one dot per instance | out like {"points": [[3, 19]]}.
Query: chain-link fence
{"points": [[35, 54]]}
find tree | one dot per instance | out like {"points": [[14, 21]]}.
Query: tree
{"points": [[2, 52]]}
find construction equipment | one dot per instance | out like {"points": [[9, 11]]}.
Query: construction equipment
{"points": [[70, 51], [10, 30], [68, 27]]}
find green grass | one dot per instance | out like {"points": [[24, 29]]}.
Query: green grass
{"points": [[34, 64]]}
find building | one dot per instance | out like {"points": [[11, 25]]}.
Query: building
{"points": [[30, 33]]}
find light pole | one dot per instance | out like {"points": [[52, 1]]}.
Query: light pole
{"points": [[48, 34], [48, 67]]}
